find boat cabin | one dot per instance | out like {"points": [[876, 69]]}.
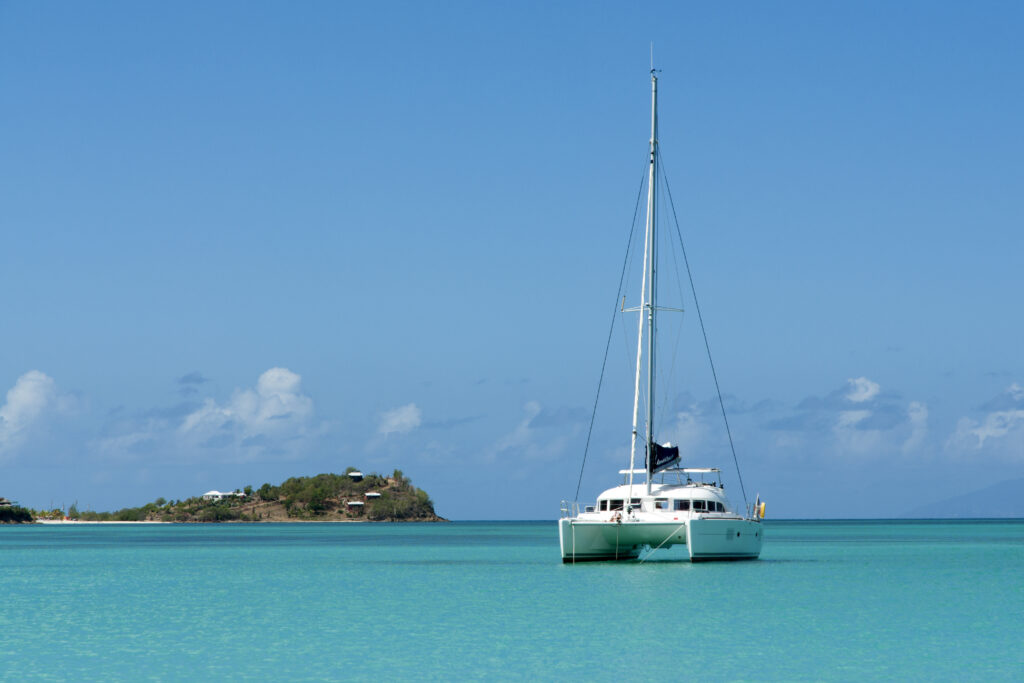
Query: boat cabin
{"points": [[679, 504], [698, 498]]}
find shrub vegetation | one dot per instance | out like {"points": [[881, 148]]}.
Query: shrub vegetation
{"points": [[324, 496], [14, 514]]}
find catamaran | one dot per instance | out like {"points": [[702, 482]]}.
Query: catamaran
{"points": [[670, 505]]}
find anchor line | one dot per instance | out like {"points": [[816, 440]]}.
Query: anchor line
{"points": [[663, 542]]}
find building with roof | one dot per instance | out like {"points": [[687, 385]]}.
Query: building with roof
{"points": [[221, 495]]}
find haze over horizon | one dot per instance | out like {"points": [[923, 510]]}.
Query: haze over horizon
{"points": [[248, 241]]}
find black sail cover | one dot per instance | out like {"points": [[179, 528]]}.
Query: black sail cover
{"points": [[660, 457]]}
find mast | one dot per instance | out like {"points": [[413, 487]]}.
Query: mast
{"points": [[647, 305], [651, 272]]}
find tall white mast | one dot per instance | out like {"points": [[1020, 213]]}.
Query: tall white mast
{"points": [[647, 302], [652, 272]]}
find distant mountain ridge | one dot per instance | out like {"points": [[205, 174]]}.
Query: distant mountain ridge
{"points": [[1005, 499]]}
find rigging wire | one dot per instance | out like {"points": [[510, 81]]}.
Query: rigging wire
{"points": [[666, 395], [629, 351], [703, 331], [600, 381], [629, 354]]}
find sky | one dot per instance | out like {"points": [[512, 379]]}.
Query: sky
{"points": [[242, 241]]}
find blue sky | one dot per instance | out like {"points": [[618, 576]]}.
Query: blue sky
{"points": [[244, 241]]}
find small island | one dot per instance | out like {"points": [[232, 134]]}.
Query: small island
{"points": [[349, 497], [11, 513]]}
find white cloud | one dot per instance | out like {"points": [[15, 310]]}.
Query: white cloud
{"points": [[854, 420], [862, 389], [997, 424], [400, 420], [687, 432], [27, 401], [276, 406], [272, 419], [999, 433], [851, 438], [849, 418], [962, 438], [917, 415]]}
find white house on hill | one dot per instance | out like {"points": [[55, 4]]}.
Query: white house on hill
{"points": [[221, 495]]}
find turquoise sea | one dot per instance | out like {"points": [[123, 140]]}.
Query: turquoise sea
{"points": [[848, 600]]}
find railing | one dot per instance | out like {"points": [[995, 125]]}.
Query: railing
{"points": [[570, 509]]}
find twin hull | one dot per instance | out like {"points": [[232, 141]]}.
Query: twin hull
{"points": [[705, 538]]}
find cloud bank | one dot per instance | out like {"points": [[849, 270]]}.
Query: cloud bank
{"points": [[275, 411], [274, 419], [1000, 432], [857, 419]]}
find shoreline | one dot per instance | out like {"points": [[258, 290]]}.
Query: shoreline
{"points": [[76, 522]]}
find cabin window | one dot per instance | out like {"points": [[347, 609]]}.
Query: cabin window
{"points": [[698, 505], [604, 505], [682, 504], [721, 508], [661, 503], [589, 508], [615, 504], [635, 502]]}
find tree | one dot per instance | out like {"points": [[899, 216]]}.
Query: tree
{"points": [[217, 513], [15, 514], [268, 492], [316, 500]]}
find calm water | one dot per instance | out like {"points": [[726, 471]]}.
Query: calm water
{"points": [[828, 600]]}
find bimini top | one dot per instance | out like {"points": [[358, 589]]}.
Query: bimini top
{"points": [[682, 470], [639, 492]]}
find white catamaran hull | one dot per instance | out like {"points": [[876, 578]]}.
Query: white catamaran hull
{"points": [[724, 539], [706, 538]]}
